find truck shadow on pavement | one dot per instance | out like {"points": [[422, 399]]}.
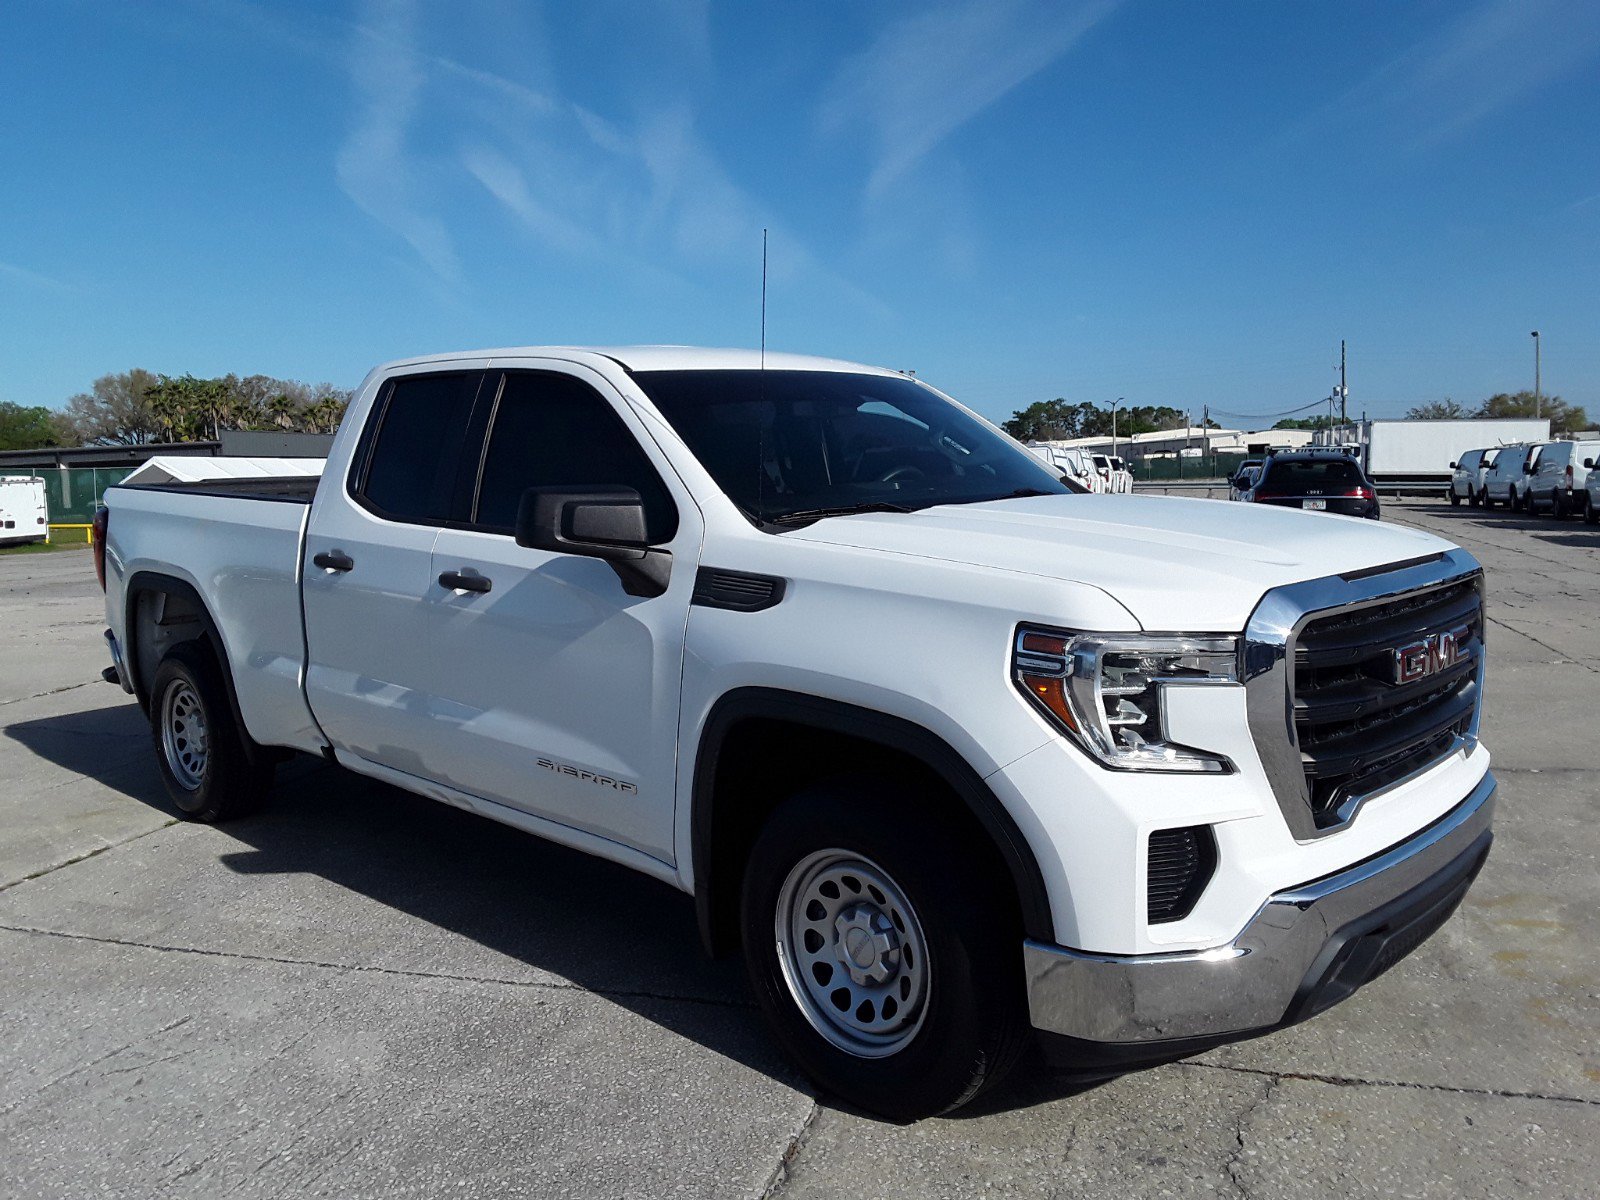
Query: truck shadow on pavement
{"points": [[567, 921], [1569, 532]]}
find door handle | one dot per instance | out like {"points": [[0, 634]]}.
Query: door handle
{"points": [[333, 560], [458, 582]]}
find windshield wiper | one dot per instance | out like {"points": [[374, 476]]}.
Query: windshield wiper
{"points": [[843, 510]]}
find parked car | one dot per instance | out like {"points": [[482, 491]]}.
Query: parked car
{"points": [[1103, 471], [1071, 463], [1318, 481], [1507, 479], [1559, 476], [1467, 481], [834, 656], [1591, 491], [1244, 478], [1121, 476]]}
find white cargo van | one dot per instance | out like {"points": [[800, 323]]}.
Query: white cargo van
{"points": [[1557, 482], [24, 510]]}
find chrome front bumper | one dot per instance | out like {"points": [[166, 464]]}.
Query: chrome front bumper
{"points": [[1306, 949]]}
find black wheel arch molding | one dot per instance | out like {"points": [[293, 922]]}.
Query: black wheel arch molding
{"points": [[716, 899], [142, 582]]}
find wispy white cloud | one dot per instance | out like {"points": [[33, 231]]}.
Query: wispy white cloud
{"points": [[1488, 57], [375, 166], [34, 279], [929, 74]]}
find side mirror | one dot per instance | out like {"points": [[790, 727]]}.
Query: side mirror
{"points": [[1453, 466], [1528, 468], [596, 522], [1588, 464]]}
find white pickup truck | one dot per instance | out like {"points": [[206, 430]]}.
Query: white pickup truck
{"points": [[951, 753]]}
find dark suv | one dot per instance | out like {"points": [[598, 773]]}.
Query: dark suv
{"points": [[1326, 482]]}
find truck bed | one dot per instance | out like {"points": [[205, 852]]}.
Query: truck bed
{"points": [[288, 489]]}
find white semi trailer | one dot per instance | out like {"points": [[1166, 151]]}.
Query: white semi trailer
{"points": [[24, 510], [1417, 454]]}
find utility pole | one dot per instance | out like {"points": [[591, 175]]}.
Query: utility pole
{"points": [[1114, 404], [1538, 404], [1344, 391]]}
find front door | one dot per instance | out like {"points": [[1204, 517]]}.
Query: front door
{"points": [[555, 691]]}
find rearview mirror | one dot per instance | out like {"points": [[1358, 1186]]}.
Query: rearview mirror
{"points": [[593, 521]]}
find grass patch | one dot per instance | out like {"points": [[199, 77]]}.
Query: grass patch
{"points": [[42, 547]]}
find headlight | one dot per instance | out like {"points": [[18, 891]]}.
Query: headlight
{"points": [[1106, 691]]}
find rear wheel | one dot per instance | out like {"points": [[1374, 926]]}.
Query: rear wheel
{"points": [[1454, 499], [208, 771], [1558, 505], [1483, 498], [1475, 498], [1511, 501], [882, 951]]}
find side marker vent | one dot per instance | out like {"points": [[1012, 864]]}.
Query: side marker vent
{"points": [[740, 591]]}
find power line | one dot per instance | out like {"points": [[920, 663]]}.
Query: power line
{"points": [[1288, 412]]}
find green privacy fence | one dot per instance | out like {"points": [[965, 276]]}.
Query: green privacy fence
{"points": [[73, 492], [1207, 466]]}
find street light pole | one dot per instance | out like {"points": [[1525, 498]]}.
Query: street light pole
{"points": [[1114, 404], [1538, 404]]}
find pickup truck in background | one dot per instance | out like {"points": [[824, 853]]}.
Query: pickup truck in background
{"points": [[956, 757]]}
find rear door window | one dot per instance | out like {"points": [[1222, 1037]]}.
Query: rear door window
{"points": [[1316, 473], [414, 465], [551, 430]]}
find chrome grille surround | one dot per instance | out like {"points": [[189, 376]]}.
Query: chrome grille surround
{"points": [[1267, 668]]}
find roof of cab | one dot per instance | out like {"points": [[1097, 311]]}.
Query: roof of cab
{"points": [[657, 358]]}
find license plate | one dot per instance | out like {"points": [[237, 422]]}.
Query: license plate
{"points": [[1316, 504]]}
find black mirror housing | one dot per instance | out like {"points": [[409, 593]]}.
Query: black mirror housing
{"points": [[595, 521], [1588, 464]]}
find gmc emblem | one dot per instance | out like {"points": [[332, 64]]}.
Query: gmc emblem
{"points": [[1434, 653]]}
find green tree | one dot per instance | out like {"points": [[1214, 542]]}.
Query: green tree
{"points": [[115, 411], [1437, 410], [1564, 417], [1321, 422], [28, 428], [1043, 421]]}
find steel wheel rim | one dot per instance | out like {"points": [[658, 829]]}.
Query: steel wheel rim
{"points": [[853, 953], [183, 735]]}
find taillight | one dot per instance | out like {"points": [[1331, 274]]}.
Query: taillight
{"points": [[1362, 493], [1569, 476], [97, 535]]}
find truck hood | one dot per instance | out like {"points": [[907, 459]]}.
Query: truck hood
{"points": [[1175, 564]]}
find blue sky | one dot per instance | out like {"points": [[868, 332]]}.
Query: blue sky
{"points": [[1177, 203]]}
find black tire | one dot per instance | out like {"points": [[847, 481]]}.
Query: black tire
{"points": [[1475, 499], [972, 1022], [1558, 505], [220, 779], [1454, 499], [1512, 502], [1591, 514], [1483, 498]]}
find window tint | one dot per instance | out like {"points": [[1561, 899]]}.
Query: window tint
{"points": [[1314, 473], [551, 429], [411, 473]]}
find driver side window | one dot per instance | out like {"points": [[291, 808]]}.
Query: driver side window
{"points": [[550, 430]]}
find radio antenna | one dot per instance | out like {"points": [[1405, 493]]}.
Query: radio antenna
{"points": [[763, 299]]}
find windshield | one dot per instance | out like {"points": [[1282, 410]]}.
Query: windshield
{"points": [[793, 445]]}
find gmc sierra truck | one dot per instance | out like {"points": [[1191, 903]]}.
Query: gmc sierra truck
{"points": [[961, 760]]}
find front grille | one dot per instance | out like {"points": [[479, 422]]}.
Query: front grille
{"points": [[1181, 863], [1360, 725]]}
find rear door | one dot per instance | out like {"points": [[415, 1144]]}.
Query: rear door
{"points": [[557, 692], [368, 569]]}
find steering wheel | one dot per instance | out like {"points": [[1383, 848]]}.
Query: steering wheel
{"points": [[901, 471]]}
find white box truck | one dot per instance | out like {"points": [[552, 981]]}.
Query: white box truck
{"points": [[1405, 455], [24, 511]]}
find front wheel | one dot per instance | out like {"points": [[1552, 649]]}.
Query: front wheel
{"points": [[892, 986], [1591, 514], [209, 773], [1454, 499]]}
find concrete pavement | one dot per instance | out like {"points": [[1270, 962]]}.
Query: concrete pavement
{"points": [[361, 993]]}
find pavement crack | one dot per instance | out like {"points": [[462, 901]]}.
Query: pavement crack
{"points": [[1235, 1160], [394, 972], [1353, 1082], [779, 1179], [93, 1063], [1560, 654], [71, 687], [96, 852]]}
